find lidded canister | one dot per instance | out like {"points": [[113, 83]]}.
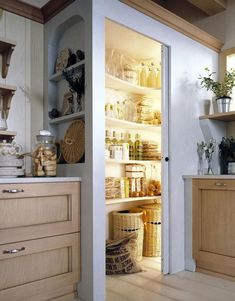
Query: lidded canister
{"points": [[44, 155]]}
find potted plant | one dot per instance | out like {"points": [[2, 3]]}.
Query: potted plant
{"points": [[226, 153], [222, 90]]}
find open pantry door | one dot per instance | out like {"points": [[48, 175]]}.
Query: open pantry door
{"points": [[165, 159]]}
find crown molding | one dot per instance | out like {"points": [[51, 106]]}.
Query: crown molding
{"points": [[41, 15], [53, 7], [166, 17], [23, 9]]}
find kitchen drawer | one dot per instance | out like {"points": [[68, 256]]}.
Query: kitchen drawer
{"points": [[38, 210], [39, 267], [215, 184]]}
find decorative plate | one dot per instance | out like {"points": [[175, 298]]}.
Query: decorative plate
{"points": [[62, 60]]}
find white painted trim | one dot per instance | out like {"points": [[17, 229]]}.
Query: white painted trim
{"points": [[165, 165]]}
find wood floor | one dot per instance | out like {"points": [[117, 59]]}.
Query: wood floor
{"points": [[151, 285]]}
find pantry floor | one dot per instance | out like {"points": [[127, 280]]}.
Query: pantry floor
{"points": [[151, 285]]}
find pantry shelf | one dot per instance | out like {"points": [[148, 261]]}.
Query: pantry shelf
{"points": [[59, 75], [66, 118], [119, 84], [113, 122], [132, 161], [126, 200]]}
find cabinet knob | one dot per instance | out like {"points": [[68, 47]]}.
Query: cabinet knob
{"points": [[12, 190], [167, 159], [13, 251], [220, 184]]}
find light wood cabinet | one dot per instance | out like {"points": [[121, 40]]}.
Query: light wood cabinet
{"points": [[213, 226], [39, 241]]}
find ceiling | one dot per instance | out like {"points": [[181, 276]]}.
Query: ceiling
{"points": [[37, 3], [193, 10], [190, 10]]}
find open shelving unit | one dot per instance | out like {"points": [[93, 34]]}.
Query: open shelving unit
{"points": [[227, 117], [119, 84], [125, 200], [56, 77], [132, 161], [66, 118], [123, 124]]}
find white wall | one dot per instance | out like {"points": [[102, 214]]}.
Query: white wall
{"points": [[26, 73]]}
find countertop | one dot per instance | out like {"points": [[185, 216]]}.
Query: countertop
{"points": [[232, 177], [39, 180]]}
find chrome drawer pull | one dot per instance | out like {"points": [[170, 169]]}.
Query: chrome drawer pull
{"points": [[12, 190], [220, 184], [13, 251]]}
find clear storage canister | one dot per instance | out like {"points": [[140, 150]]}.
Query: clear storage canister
{"points": [[44, 156]]}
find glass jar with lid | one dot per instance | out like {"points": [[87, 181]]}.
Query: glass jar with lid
{"points": [[44, 155]]}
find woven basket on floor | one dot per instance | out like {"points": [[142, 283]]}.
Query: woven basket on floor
{"points": [[152, 229], [73, 145], [125, 223]]}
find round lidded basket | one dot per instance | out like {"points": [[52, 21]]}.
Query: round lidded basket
{"points": [[126, 222], [73, 145], [152, 230]]}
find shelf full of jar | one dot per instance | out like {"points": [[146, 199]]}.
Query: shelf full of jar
{"points": [[115, 161], [116, 83], [132, 199], [114, 122]]}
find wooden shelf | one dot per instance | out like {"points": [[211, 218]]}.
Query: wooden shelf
{"points": [[119, 84], [66, 118], [132, 161], [58, 76], [7, 133], [130, 125], [228, 116], [6, 92], [119, 201], [6, 49]]}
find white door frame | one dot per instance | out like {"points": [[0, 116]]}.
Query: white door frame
{"points": [[165, 237]]}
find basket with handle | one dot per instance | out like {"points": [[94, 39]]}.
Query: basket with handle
{"points": [[126, 222], [152, 229]]}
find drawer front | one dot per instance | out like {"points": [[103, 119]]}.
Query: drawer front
{"points": [[38, 210], [215, 184], [31, 267]]}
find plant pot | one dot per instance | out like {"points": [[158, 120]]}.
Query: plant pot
{"points": [[223, 104]]}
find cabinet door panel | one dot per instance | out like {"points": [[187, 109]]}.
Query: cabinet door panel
{"points": [[217, 220], [40, 210], [213, 225], [43, 260]]}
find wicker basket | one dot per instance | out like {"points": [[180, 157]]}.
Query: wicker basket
{"points": [[125, 223], [73, 145], [152, 230]]}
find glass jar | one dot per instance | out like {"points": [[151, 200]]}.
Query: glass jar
{"points": [[44, 156]]}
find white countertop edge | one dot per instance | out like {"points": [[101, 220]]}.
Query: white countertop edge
{"points": [[39, 180], [208, 177]]}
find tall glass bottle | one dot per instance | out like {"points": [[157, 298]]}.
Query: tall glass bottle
{"points": [[143, 75], [131, 148], [138, 148]]}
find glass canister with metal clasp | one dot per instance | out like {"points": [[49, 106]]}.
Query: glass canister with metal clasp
{"points": [[44, 155]]}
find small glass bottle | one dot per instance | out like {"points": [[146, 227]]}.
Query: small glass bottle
{"points": [[44, 155]]}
